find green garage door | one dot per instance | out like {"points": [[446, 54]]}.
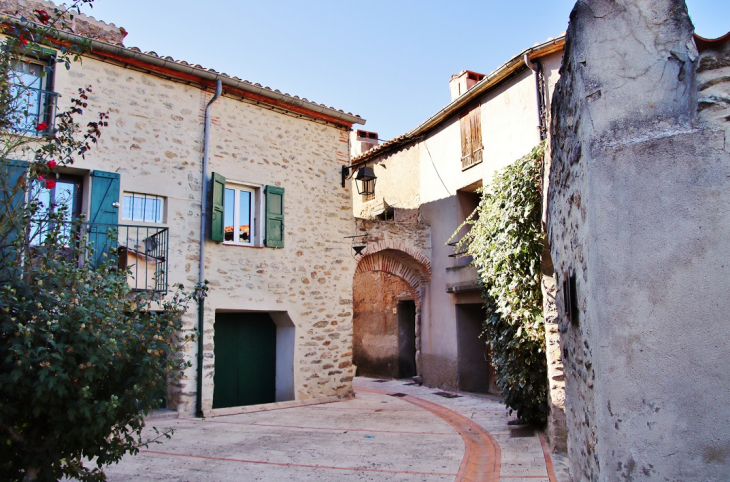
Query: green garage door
{"points": [[245, 359]]}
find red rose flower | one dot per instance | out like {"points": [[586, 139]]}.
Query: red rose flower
{"points": [[41, 127], [51, 164], [50, 183], [42, 16], [24, 41], [40, 177]]}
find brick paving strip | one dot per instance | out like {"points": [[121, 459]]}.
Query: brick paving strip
{"points": [[548, 460], [481, 462]]}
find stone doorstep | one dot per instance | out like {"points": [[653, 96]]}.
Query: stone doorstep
{"points": [[162, 414], [265, 407]]}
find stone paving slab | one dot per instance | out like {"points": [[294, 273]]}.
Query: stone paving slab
{"points": [[373, 437]]}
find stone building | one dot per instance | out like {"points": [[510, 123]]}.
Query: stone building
{"points": [[639, 232], [277, 323], [418, 309]]}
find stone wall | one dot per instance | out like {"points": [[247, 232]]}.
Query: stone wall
{"points": [[637, 213], [154, 140], [311, 277]]}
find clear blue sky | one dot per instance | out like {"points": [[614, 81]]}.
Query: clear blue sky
{"points": [[388, 61]]}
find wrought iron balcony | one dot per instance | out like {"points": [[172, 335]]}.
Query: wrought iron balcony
{"points": [[141, 251], [32, 108]]}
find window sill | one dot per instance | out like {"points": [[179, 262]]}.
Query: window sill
{"points": [[228, 243]]}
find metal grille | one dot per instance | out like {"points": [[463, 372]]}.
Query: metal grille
{"points": [[30, 108], [141, 251]]}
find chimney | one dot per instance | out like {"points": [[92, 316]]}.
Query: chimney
{"points": [[362, 141], [463, 81]]}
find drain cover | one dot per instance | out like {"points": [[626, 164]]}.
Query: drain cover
{"points": [[397, 394], [447, 395]]}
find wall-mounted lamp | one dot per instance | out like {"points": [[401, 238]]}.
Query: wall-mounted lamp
{"points": [[365, 179]]}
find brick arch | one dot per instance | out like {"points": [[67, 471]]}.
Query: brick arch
{"points": [[407, 264], [387, 245], [400, 261]]}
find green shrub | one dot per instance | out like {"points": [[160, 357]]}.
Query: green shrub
{"points": [[82, 358], [506, 242]]}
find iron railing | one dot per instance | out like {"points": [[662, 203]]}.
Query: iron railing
{"points": [[141, 251], [31, 108]]}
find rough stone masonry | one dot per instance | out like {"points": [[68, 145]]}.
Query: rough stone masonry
{"points": [[638, 215]]}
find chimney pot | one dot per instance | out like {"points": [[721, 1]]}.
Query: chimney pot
{"points": [[463, 81]]}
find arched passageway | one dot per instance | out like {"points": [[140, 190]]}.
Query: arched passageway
{"points": [[388, 293]]}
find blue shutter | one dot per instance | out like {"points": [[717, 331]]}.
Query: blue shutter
{"points": [[103, 215], [13, 175]]}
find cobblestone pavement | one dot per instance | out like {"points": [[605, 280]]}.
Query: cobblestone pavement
{"points": [[391, 431]]}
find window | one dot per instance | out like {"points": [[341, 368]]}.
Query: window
{"points": [[368, 188], [240, 219], [471, 138], [64, 197], [247, 215], [33, 102], [143, 207]]}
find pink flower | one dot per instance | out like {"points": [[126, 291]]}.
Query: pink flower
{"points": [[50, 183], [52, 164], [41, 127]]}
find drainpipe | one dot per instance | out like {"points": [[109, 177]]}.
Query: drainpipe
{"points": [[203, 225], [536, 72]]}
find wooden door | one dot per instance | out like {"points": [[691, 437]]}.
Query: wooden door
{"points": [[245, 359], [406, 339]]}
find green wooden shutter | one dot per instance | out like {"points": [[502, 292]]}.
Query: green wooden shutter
{"points": [[274, 217], [103, 215], [12, 197], [217, 216]]}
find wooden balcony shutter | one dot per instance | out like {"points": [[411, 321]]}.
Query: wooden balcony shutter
{"points": [[13, 176], [103, 215], [471, 137], [274, 217], [218, 208]]}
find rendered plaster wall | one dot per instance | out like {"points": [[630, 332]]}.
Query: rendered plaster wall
{"points": [[154, 141], [638, 207], [398, 183], [509, 131], [375, 322]]}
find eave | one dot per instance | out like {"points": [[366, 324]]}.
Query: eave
{"points": [[205, 78], [505, 71]]}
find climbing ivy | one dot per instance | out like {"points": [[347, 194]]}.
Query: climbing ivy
{"points": [[506, 242]]}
